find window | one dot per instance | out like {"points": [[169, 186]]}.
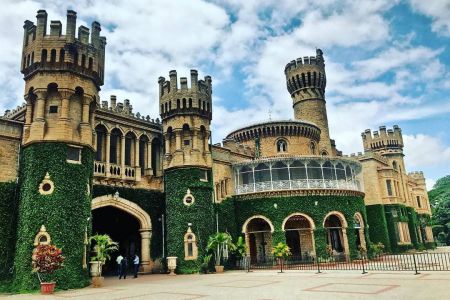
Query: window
{"points": [[312, 148], [73, 154], [418, 202], [324, 153], [190, 245], [389, 187], [187, 142], [281, 146], [204, 175], [53, 109], [394, 165]]}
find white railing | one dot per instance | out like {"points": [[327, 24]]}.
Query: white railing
{"points": [[302, 184], [115, 171], [99, 168]]}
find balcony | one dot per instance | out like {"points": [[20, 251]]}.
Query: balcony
{"points": [[115, 171], [297, 173]]}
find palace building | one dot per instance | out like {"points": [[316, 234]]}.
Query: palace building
{"points": [[73, 164]]}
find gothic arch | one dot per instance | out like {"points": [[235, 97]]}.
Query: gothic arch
{"points": [[244, 227], [310, 220]]}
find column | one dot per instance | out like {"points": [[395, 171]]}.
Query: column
{"points": [[64, 106], [29, 111], [194, 140], [205, 141], [313, 241], [107, 153], [345, 241], [40, 107], [85, 116], [137, 168], [247, 243], [122, 156], [167, 141], [149, 158], [178, 140], [146, 262]]}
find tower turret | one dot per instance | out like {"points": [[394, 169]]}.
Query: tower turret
{"points": [[186, 114], [385, 141], [63, 75], [306, 81]]}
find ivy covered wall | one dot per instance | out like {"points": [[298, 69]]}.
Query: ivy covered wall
{"points": [[152, 201], [200, 214], [64, 212], [376, 216], [276, 209], [8, 225]]}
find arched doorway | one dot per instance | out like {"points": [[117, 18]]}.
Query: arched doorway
{"points": [[359, 231], [128, 223], [336, 230], [299, 235], [258, 237]]}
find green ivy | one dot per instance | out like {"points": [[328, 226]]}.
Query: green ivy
{"points": [[244, 209], [151, 201], [64, 213], [200, 214], [378, 230], [8, 225]]}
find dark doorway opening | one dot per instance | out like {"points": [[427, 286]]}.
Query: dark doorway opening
{"points": [[122, 228], [293, 241]]}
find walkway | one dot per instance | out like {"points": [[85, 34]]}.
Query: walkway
{"points": [[268, 285]]}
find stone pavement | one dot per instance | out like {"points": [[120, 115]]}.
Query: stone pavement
{"points": [[268, 285]]}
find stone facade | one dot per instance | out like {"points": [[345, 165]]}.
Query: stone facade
{"points": [[293, 159]]}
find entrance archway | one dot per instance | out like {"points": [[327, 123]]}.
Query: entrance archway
{"points": [[131, 220], [258, 237], [336, 229], [299, 233]]}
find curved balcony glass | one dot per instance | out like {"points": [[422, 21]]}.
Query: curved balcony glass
{"points": [[296, 173]]}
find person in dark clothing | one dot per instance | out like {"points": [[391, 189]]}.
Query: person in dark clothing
{"points": [[123, 268], [136, 265]]}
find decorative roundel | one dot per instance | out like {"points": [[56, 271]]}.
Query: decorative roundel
{"points": [[46, 187], [188, 199]]}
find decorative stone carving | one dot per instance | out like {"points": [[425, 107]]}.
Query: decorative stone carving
{"points": [[42, 238], [188, 199], [46, 187]]}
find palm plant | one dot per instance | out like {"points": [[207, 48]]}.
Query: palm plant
{"points": [[240, 248], [104, 246], [218, 243]]}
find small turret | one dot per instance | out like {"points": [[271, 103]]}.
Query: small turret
{"points": [[389, 140]]}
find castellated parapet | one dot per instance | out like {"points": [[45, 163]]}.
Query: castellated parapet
{"points": [[386, 140], [306, 82], [186, 117], [180, 99], [82, 55]]}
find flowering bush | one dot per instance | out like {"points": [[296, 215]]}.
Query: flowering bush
{"points": [[47, 259]]}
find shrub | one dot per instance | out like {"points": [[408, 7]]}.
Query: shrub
{"points": [[46, 259]]}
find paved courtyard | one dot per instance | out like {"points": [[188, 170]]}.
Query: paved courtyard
{"points": [[268, 285]]}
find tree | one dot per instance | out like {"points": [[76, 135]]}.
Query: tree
{"points": [[218, 244], [104, 245], [440, 202]]}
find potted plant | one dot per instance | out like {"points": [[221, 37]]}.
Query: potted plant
{"points": [[281, 251], [219, 244], [204, 266], [103, 247], [46, 259], [240, 250]]}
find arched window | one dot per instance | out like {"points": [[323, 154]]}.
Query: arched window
{"points": [[394, 165], [184, 102], [42, 238], [44, 55], [75, 58], [62, 54], [312, 148], [190, 103], [53, 55], [91, 63], [190, 245], [83, 61], [324, 153], [178, 103], [281, 146]]}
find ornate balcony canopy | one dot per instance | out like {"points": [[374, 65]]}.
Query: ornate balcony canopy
{"points": [[297, 173]]}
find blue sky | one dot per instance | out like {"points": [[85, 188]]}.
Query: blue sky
{"points": [[387, 62]]}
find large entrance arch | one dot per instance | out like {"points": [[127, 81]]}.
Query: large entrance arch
{"points": [[142, 218], [258, 237]]}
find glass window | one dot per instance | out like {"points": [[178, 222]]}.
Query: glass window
{"points": [[73, 154], [340, 172], [389, 187], [281, 146], [262, 173], [314, 170], [246, 175], [280, 171], [328, 171]]}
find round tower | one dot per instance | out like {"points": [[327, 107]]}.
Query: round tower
{"points": [[63, 74], [186, 116], [306, 81]]}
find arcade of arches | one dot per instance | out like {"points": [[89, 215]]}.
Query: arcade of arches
{"points": [[126, 223], [299, 232]]}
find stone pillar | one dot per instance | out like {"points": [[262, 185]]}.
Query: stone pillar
{"points": [[313, 241], [107, 153], [362, 237], [122, 156], [178, 140], [149, 158], [167, 141], [194, 140], [137, 168], [85, 116], [146, 261], [345, 241], [64, 106], [29, 112], [40, 107], [247, 243]]}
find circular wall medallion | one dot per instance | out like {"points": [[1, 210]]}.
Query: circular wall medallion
{"points": [[46, 187], [188, 199]]}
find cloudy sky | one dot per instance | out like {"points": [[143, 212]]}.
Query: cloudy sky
{"points": [[387, 62]]}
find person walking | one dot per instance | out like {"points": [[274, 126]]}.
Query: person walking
{"points": [[119, 265], [136, 265], [123, 267]]}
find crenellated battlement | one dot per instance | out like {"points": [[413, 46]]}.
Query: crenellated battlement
{"points": [[176, 98], [383, 139], [11, 114], [81, 52], [306, 75], [125, 109]]}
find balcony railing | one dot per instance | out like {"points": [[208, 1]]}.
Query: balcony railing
{"points": [[297, 173], [115, 171]]}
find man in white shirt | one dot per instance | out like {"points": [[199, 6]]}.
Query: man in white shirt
{"points": [[119, 264], [136, 265]]}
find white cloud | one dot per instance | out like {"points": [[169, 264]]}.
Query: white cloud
{"points": [[430, 182], [438, 11], [424, 151]]}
